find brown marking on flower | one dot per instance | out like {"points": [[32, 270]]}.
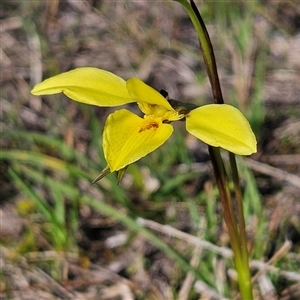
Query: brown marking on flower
{"points": [[149, 126]]}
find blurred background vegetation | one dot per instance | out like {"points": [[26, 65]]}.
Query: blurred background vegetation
{"points": [[159, 234]]}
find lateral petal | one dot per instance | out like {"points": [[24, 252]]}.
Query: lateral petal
{"points": [[141, 92], [87, 85], [127, 138], [222, 125]]}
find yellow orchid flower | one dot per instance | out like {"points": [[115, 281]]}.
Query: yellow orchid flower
{"points": [[128, 137]]}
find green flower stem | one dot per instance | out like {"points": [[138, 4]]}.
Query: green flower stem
{"points": [[223, 187], [206, 48], [235, 224], [241, 225], [236, 229]]}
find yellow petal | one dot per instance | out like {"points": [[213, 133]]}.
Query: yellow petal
{"points": [[87, 85], [224, 126], [141, 92], [127, 138]]}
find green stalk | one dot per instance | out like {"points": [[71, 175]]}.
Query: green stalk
{"points": [[244, 267], [224, 192], [235, 224], [236, 232], [206, 48]]}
